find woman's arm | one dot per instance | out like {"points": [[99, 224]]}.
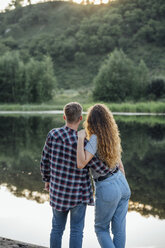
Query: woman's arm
{"points": [[83, 157]]}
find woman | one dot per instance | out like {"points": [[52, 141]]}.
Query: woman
{"points": [[112, 190]]}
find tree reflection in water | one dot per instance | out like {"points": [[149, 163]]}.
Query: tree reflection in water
{"points": [[143, 142]]}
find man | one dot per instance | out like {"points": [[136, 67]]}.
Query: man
{"points": [[69, 187]]}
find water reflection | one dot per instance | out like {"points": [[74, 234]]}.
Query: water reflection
{"points": [[22, 139], [28, 221]]}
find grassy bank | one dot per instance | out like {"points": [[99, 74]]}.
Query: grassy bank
{"points": [[141, 107], [151, 121], [84, 97]]}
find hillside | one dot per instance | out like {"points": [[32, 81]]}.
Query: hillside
{"points": [[79, 37]]}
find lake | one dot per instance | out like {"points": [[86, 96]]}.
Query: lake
{"points": [[25, 213]]}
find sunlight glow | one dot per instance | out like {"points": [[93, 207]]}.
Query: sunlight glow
{"points": [[5, 3], [78, 1], [105, 1]]}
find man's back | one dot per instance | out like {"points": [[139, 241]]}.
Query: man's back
{"points": [[69, 185]]}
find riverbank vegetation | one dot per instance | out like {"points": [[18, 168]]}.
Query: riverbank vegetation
{"points": [[142, 107]]}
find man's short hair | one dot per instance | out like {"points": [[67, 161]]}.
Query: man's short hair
{"points": [[73, 111]]}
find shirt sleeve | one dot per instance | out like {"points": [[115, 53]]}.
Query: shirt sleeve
{"points": [[91, 146], [45, 161]]}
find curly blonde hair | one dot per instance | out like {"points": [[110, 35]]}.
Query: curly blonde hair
{"points": [[101, 122]]}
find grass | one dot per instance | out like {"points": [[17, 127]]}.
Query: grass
{"points": [[151, 121], [84, 97], [146, 107], [141, 107]]}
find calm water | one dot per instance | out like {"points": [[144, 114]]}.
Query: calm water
{"points": [[25, 213]]}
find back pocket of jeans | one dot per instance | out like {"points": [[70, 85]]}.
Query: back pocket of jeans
{"points": [[109, 192]]}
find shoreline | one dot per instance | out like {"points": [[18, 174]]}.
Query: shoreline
{"points": [[152, 107], [19, 112], [9, 243]]}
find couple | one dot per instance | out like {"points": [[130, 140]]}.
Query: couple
{"points": [[66, 159]]}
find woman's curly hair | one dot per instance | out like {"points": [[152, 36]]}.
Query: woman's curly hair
{"points": [[100, 122]]}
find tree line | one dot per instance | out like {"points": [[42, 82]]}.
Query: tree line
{"points": [[119, 79], [21, 82], [80, 40]]}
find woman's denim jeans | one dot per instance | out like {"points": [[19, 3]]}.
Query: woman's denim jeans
{"points": [[111, 205], [77, 216]]}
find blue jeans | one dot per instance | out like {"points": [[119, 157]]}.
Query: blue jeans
{"points": [[111, 206], [77, 216]]}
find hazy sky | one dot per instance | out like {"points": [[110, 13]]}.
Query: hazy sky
{"points": [[4, 3]]}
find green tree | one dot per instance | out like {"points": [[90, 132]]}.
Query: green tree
{"points": [[49, 80], [21, 82], [40, 80], [156, 89], [16, 3], [3, 48], [116, 78], [143, 79], [65, 29], [11, 78], [10, 42]]}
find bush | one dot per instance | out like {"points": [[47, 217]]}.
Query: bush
{"points": [[156, 88], [10, 42], [80, 57], [25, 83], [3, 48], [140, 87], [39, 80], [11, 78], [120, 79]]}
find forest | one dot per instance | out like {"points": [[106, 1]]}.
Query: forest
{"points": [[115, 51]]}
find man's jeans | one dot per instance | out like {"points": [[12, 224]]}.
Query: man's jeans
{"points": [[112, 196], [77, 216]]}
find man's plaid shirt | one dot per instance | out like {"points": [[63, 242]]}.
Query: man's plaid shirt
{"points": [[69, 185]]}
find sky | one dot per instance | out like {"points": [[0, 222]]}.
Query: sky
{"points": [[5, 3]]}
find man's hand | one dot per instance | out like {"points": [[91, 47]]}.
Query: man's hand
{"points": [[121, 167], [82, 134], [46, 187]]}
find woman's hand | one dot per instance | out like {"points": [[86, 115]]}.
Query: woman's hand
{"points": [[82, 134], [121, 167], [83, 157]]}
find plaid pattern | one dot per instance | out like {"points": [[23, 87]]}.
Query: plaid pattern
{"points": [[69, 185]]}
